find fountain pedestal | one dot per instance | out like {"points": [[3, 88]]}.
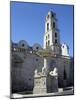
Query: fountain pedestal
{"points": [[40, 84], [45, 81]]}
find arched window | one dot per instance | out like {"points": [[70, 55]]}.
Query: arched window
{"points": [[36, 59], [55, 34], [47, 26], [55, 40], [23, 45], [48, 16], [37, 48], [52, 15], [48, 42], [63, 46], [48, 36], [53, 24]]}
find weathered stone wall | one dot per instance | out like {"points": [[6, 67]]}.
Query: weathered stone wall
{"points": [[22, 70], [63, 66], [23, 73]]}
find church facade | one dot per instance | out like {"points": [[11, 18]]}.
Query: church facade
{"points": [[42, 70]]}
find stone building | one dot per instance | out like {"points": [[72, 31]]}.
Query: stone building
{"points": [[32, 66], [24, 62]]}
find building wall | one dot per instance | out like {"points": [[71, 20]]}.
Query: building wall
{"points": [[62, 64], [71, 72], [23, 73]]}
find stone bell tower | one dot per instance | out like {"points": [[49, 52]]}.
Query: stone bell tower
{"points": [[52, 35]]}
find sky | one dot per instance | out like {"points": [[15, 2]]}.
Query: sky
{"points": [[28, 22]]}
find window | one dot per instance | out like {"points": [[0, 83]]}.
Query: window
{"points": [[55, 34], [47, 26], [22, 45], [48, 16], [48, 43], [63, 46], [53, 24], [36, 59], [52, 15], [48, 36], [55, 40], [37, 48]]}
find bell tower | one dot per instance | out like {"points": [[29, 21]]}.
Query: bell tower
{"points": [[52, 35]]}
